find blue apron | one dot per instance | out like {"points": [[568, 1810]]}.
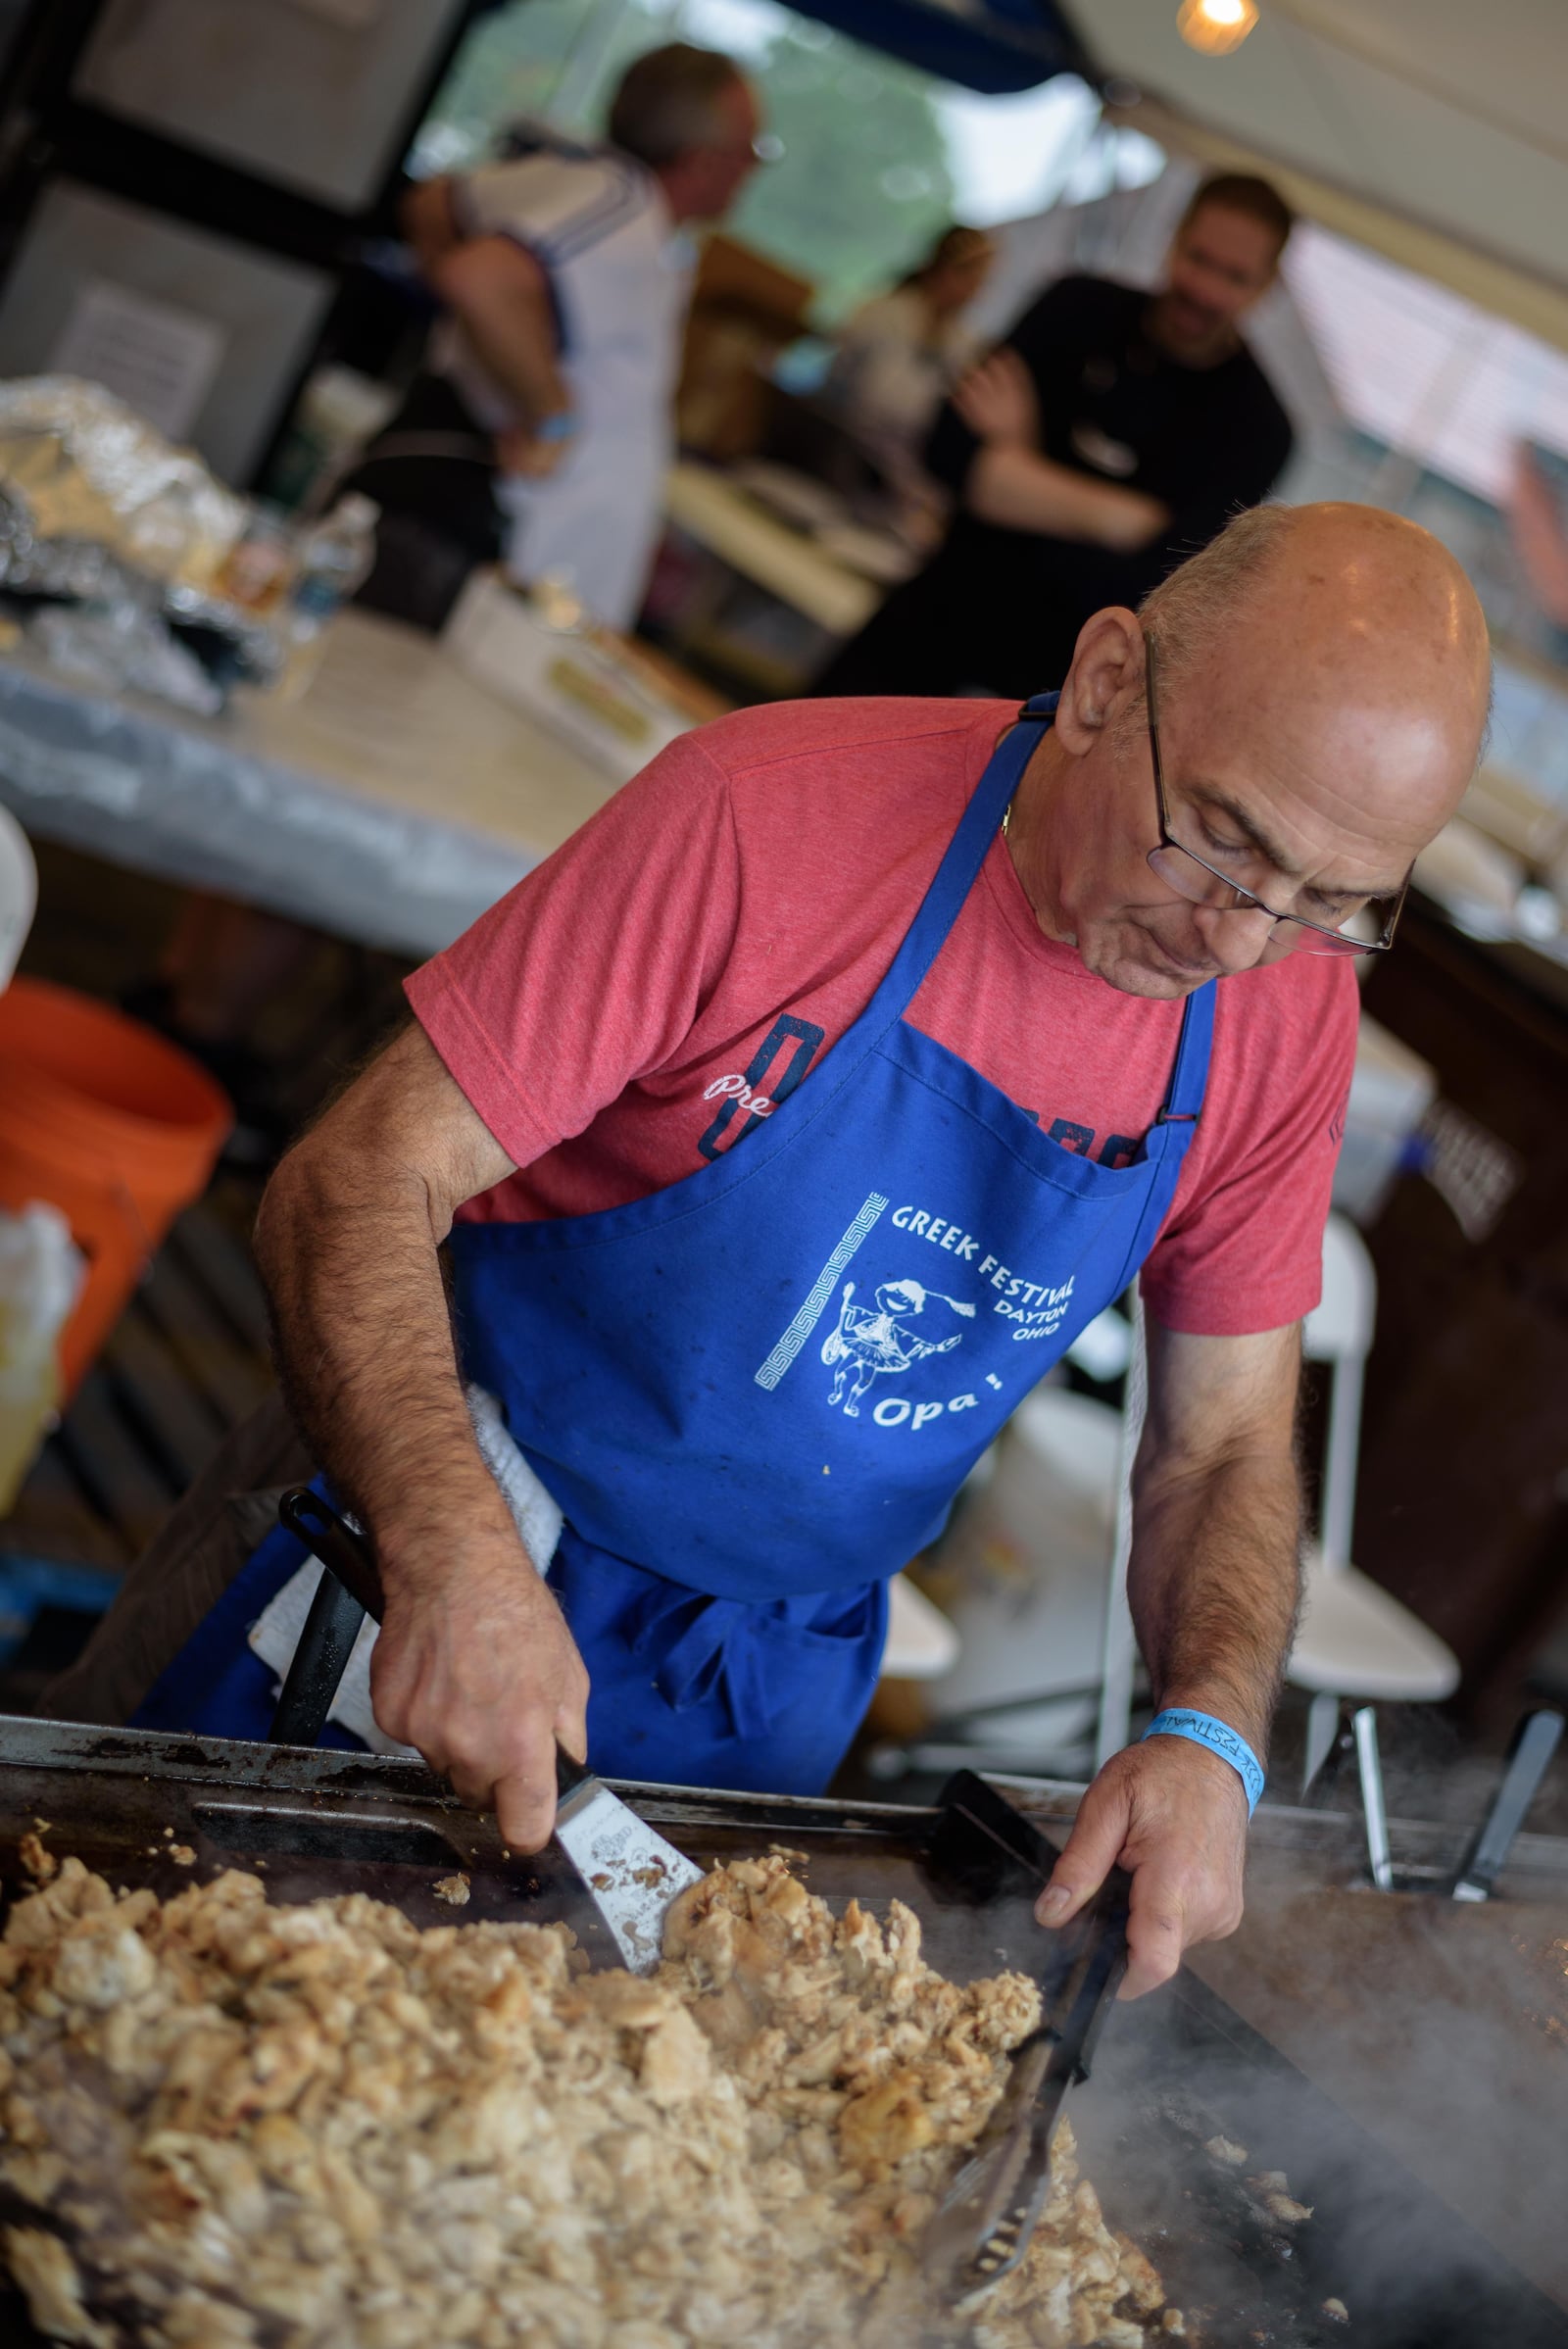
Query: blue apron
{"points": [[755, 1393]]}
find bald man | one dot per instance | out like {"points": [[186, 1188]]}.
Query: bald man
{"points": [[978, 1010]]}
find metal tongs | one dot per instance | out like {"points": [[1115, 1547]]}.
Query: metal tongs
{"points": [[984, 2222]]}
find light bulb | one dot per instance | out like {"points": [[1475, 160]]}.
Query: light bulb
{"points": [[1216, 26]]}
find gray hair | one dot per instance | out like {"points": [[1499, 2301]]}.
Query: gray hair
{"points": [[671, 101], [1187, 612], [1190, 614]]}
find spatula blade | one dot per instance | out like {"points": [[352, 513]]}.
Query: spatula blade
{"points": [[632, 1872]]}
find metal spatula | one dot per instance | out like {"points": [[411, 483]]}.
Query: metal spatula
{"points": [[632, 1873]]}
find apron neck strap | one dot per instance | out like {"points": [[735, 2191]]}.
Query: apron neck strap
{"points": [[955, 875], [1189, 1077]]}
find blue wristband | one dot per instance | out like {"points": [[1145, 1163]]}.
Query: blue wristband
{"points": [[563, 426], [1204, 1729]]}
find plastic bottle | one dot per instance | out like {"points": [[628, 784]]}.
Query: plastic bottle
{"points": [[335, 555]]}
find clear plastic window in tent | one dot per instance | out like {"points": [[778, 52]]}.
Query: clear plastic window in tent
{"points": [[870, 158]]}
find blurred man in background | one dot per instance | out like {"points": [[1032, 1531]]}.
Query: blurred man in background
{"points": [[540, 432], [541, 427], [1111, 435]]}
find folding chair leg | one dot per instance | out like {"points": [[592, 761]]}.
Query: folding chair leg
{"points": [[1322, 1728]]}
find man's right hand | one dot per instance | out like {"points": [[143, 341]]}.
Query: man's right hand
{"points": [[997, 401], [474, 1667]]}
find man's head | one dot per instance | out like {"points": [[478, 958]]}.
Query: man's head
{"points": [[955, 270], [1225, 254], [1324, 683], [688, 115]]}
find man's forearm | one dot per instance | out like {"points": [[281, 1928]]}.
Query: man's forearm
{"points": [[475, 1665], [519, 351], [1022, 490], [1214, 1582], [349, 1255], [502, 302]]}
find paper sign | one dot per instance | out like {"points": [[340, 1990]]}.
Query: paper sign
{"points": [[159, 359]]}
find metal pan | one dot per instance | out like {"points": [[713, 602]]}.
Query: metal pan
{"points": [[1171, 2073]]}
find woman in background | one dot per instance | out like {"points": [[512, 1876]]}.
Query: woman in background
{"points": [[900, 355]]}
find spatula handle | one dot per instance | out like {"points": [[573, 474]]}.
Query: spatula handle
{"points": [[338, 1544], [343, 1548]]}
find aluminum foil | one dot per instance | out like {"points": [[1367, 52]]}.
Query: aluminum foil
{"points": [[97, 508], [83, 467]]}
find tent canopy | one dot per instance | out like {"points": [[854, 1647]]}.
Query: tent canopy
{"points": [[995, 46], [1434, 131]]}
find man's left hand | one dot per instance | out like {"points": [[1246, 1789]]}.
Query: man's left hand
{"points": [[1174, 1816]]}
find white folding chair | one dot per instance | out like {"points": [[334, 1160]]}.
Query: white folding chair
{"points": [[921, 1643], [19, 893], [1355, 1640]]}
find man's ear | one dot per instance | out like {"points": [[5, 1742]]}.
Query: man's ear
{"points": [[1108, 662]]}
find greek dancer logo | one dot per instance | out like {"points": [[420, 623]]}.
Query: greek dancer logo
{"points": [[883, 1332], [877, 1340]]}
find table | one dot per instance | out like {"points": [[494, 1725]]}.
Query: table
{"points": [[391, 803], [792, 567]]}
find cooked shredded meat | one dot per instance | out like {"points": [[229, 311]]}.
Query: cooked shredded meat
{"points": [[40, 1862], [322, 2127]]}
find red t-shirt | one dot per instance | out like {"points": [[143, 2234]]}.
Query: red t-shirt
{"points": [[630, 1008]]}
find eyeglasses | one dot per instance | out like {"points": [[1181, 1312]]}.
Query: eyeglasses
{"points": [[1203, 884]]}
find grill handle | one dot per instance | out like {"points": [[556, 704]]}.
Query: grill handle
{"points": [[348, 1592]]}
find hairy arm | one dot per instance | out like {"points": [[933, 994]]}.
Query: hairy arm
{"points": [[1213, 1583], [501, 297], [475, 1665], [1215, 1571]]}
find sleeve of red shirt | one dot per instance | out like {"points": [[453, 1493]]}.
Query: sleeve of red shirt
{"points": [[593, 968], [1242, 1250]]}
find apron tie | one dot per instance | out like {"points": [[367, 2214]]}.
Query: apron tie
{"points": [[704, 1648]]}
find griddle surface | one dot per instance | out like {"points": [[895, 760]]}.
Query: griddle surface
{"points": [[1172, 2070]]}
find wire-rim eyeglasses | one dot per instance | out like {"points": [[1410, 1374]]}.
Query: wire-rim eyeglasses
{"points": [[1173, 862]]}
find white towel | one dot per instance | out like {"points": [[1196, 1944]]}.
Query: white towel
{"points": [[275, 1633]]}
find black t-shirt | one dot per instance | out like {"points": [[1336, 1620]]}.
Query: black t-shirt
{"points": [[1204, 441], [1002, 608]]}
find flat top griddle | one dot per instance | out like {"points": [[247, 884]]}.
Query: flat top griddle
{"points": [[1172, 2073]]}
